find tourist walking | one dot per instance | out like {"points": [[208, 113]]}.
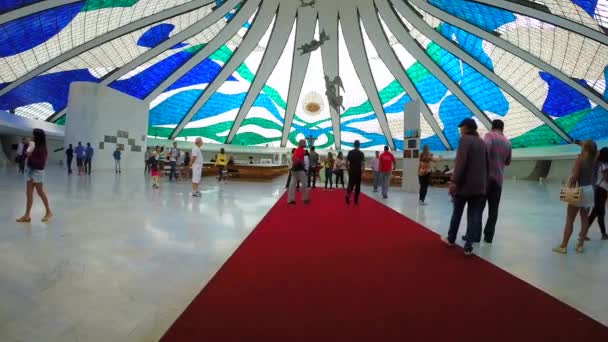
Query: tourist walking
{"points": [[117, 155], [355, 161], [69, 156], [88, 159], [36, 162], [21, 155], [499, 156], [196, 164], [328, 166], [375, 165], [174, 155], [339, 169], [80, 155], [601, 192], [312, 169], [424, 173], [298, 172], [289, 165], [387, 165], [221, 161], [155, 169], [468, 185], [147, 156], [583, 175]]}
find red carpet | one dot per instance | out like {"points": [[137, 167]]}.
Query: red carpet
{"points": [[327, 272]]}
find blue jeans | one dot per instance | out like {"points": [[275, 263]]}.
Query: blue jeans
{"points": [[386, 182], [377, 180], [172, 171], [328, 175], [475, 205]]}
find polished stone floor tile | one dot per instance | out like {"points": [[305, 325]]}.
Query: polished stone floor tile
{"points": [[120, 261]]}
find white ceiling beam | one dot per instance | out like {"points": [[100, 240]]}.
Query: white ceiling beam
{"points": [[278, 39], [511, 48], [351, 30], [451, 47], [548, 18], [328, 22], [380, 41], [192, 30], [401, 33], [235, 24], [57, 115], [258, 28], [305, 30], [32, 9], [104, 38]]}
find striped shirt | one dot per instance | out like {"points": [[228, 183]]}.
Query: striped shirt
{"points": [[499, 155]]}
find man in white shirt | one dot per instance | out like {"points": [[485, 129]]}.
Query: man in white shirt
{"points": [[173, 156], [196, 164], [20, 156], [375, 164]]}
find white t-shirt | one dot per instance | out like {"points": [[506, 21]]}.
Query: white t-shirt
{"points": [[20, 149], [196, 152], [30, 147], [602, 181], [174, 154]]}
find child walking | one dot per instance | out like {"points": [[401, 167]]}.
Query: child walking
{"points": [[154, 169]]}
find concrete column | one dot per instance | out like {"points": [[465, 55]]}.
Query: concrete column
{"points": [[411, 146], [107, 118]]}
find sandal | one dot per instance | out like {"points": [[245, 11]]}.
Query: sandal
{"points": [[579, 246], [47, 217], [24, 219]]}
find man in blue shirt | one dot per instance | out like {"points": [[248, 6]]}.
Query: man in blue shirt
{"points": [[116, 156], [88, 158], [80, 154]]}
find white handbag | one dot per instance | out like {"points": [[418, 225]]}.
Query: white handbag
{"points": [[571, 195]]}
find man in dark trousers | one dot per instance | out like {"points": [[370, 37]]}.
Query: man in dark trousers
{"points": [[312, 168], [69, 155], [355, 161], [468, 185], [88, 158]]}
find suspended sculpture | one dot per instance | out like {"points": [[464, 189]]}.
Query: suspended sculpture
{"points": [[332, 91], [314, 44], [308, 4]]}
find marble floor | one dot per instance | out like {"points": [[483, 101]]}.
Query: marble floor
{"points": [[120, 261]]}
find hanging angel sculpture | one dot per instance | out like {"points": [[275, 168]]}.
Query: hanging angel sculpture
{"points": [[314, 44], [332, 91]]}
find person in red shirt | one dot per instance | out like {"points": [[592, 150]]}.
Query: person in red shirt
{"points": [[298, 172], [387, 165]]}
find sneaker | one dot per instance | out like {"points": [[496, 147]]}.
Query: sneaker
{"points": [[560, 249], [384, 196], [445, 240], [468, 249]]}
